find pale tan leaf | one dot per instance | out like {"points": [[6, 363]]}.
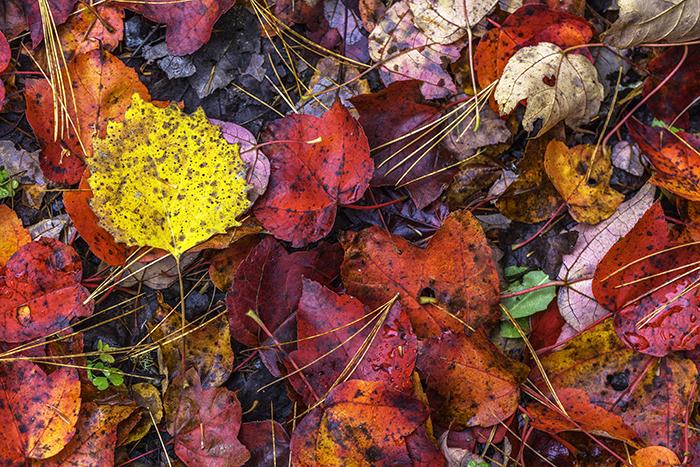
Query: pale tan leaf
{"points": [[446, 21], [557, 87], [654, 21]]}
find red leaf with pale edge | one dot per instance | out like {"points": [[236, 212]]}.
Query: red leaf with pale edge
{"points": [[584, 416], [324, 313], [361, 422], [650, 394], [326, 163], [676, 162], [103, 86], [618, 289], [204, 423], [268, 282], [392, 113], [95, 440], [257, 437], [38, 412], [457, 269], [188, 24], [529, 25], [40, 291], [476, 384], [101, 242], [5, 56]]}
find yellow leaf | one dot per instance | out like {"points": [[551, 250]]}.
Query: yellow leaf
{"points": [[165, 179]]}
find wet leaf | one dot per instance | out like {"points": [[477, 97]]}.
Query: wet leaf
{"points": [[675, 159], [456, 273], [652, 291], [269, 282], [176, 166], [529, 25], [576, 302], [40, 291], [558, 86], [332, 333], [319, 164], [188, 24], [345, 431], [582, 175], [654, 21], [476, 383], [445, 22], [38, 411], [204, 423], [14, 235], [407, 53]]}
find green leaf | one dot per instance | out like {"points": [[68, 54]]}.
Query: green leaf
{"points": [[514, 271], [509, 332], [100, 382], [530, 303], [661, 124], [107, 358], [117, 379]]}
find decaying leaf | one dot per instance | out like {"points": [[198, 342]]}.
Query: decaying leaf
{"points": [[576, 302], [531, 197], [558, 86], [407, 53], [654, 456], [24, 166], [477, 384], [96, 435], [361, 423], [207, 346], [654, 21], [582, 175], [38, 412], [40, 291], [445, 22], [204, 423], [166, 180], [317, 165]]}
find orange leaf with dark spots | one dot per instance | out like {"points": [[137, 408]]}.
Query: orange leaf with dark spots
{"points": [[474, 383], [14, 235], [38, 412], [361, 423], [323, 313], [676, 158], [456, 275], [318, 164], [40, 291]]}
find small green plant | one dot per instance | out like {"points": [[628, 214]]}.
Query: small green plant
{"points": [[521, 307], [8, 185], [100, 372]]}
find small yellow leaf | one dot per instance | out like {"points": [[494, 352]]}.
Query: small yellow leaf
{"points": [[165, 179]]}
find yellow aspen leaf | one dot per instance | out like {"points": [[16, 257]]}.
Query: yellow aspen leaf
{"points": [[165, 179]]}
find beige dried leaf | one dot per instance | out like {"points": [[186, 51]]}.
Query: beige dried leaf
{"points": [[654, 21], [447, 21], [557, 87]]}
